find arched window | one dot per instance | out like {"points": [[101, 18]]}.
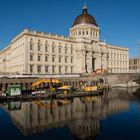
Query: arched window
{"points": [[83, 32]]}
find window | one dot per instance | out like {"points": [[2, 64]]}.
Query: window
{"points": [[39, 68], [71, 60], [53, 69], [79, 32], [71, 69], [59, 58], [66, 69], [53, 49], [39, 57], [135, 61], [60, 69], [59, 49], [39, 45], [46, 69], [46, 58], [46, 47], [31, 57], [53, 58], [65, 50], [66, 59], [31, 69], [91, 33], [31, 46], [83, 32], [87, 32]]}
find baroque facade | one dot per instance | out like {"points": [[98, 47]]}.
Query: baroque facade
{"points": [[33, 52]]}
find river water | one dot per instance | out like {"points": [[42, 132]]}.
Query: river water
{"points": [[112, 116]]}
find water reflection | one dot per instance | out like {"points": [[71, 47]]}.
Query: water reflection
{"points": [[81, 115]]}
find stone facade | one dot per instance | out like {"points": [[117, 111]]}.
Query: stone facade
{"points": [[33, 52], [134, 65]]}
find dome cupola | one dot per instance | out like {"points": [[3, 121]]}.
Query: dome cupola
{"points": [[85, 18], [85, 27]]}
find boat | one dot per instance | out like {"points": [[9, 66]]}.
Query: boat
{"points": [[95, 85], [50, 84], [64, 89], [90, 86]]}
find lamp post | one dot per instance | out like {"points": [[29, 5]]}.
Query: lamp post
{"points": [[139, 56]]}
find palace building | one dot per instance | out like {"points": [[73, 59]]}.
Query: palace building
{"points": [[33, 52]]}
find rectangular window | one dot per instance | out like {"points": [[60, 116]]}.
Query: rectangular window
{"points": [[31, 69], [31, 46], [53, 69], [66, 59], [91, 33], [46, 69], [53, 58], [46, 48], [59, 58], [60, 69], [71, 50], [65, 50], [53, 49], [83, 32], [39, 68], [66, 69], [59, 50], [46, 58], [71, 69], [39, 57], [39, 47], [31, 57], [71, 60]]}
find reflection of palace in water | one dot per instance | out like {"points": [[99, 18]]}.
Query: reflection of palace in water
{"points": [[81, 115]]}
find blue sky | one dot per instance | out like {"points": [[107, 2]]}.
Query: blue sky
{"points": [[119, 20]]}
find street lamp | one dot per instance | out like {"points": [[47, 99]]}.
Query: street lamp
{"points": [[139, 54]]}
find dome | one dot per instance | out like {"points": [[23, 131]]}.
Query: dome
{"points": [[85, 18]]}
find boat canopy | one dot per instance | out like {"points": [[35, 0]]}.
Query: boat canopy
{"points": [[45, 81]]}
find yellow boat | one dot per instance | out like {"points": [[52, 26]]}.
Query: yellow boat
{"points": [[64, 89], [49, 83], [90, 86]]}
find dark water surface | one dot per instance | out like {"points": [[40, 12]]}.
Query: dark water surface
{"points": [[113, 116]]}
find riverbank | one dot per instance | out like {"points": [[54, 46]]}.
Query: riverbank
{"points": [[50, 96]]}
